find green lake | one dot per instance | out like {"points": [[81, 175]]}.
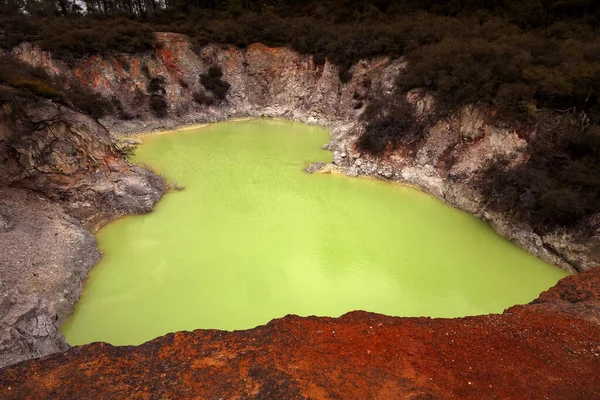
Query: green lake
{"points": [[253, 237]]}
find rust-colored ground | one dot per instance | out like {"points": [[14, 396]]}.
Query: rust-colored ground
{"points": [[549, 349]]}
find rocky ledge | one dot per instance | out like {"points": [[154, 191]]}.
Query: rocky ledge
{"points": [[60, 177], [279, 82], [549, 349]]}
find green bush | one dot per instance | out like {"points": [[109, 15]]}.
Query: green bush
{"points": [[212, 82], [530, 61], [390, 123], [559, 185], [158, 102], [203, 99], [18, 75]]}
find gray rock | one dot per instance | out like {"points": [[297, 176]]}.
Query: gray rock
{"points": [[386, 171], [5, 224], [126, 140], [315, 167], [47, 253], [28, 327], [352, 171], [340, 158], [328, 146], [368, 168]]}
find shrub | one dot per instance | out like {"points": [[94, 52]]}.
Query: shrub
{"points": [[89, 102], [214, 71], [212, 82], [145, 71], [124, 62], [559, 185], [390, 122], [36, 81], [158, 105], [344, 74], [202, 98], [156, 86]]}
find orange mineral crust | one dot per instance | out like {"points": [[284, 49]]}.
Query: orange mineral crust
{"points": [[549, 349]]}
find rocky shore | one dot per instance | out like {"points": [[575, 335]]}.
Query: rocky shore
{"points": [[549, 349], [63, 178], [278, 82]]}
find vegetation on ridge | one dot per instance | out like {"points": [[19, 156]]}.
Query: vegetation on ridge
{"points": [[535, 63], [30, 81]]}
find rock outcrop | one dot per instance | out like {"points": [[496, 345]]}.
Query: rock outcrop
{"points": [[279, 82], [70, 158], [59, 175], [44, 262], [546, 350], [62, 164], [27, 327]]}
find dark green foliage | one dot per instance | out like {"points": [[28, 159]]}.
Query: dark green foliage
{"points": [[518, 72], [120, 110], [74, 37], [87, 101], [559, 184], [124, 63], [391, 122], [214, 71], [158, 103], [37, 82], [34, 80], [213, 83], [146, 71], [157, 85], [344, 74], [531, 61], [203, 99]]}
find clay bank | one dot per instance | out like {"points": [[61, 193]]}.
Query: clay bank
{"points": [[67, 178]]}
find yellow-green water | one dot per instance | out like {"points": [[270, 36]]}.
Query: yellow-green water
{"points": [[253, 237]]}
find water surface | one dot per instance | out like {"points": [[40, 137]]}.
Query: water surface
{"points": [[253, 237]]}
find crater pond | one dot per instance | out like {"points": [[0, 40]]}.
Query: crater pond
{"points": [[253, 237]]}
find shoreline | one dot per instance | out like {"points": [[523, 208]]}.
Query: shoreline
{"points": [[457, 195]]}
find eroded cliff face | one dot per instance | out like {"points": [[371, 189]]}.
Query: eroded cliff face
{"points": [[70, 158], [60, 176], [265, 81], [279, 82], [65, 175], [546, 350]]}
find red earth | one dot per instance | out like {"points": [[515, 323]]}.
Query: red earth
{"points": [[549, 349]]}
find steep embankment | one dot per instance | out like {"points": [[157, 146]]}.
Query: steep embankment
{"points": [[546, 350], [82, 181], [59, 175], [279, 82]]}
